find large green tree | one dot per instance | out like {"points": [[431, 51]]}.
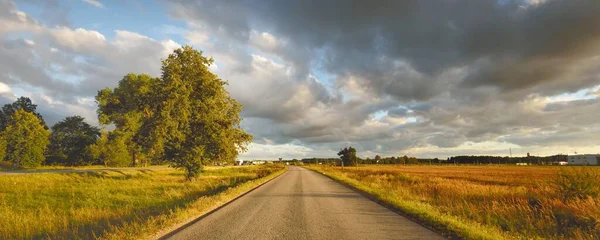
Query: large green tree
{"points": [[348, 156], [195, 121], [26, 139], [128, 107], [69, 140], [21, 103]]}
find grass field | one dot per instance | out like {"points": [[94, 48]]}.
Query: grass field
{"points": [[488, 202], [6, 166], [115, 204]]}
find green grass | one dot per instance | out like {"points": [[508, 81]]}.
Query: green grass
{"points": [[6, 166], [487, 202], [116, 204]]}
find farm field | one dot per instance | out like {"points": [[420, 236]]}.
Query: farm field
{"points": [[487, 202], [115, 204]]}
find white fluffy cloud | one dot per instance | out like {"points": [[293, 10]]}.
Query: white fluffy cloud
{"points": [[61, 68], [78, 40]]}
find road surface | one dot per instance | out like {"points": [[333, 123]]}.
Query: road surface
{"points": [[302, 204]]}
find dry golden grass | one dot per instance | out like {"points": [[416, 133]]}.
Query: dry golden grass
{"points": [[488, 202], [114, 204]]}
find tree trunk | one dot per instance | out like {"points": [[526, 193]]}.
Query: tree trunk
{"points": [[133, 156]]}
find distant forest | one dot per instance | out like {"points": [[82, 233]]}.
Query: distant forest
{"points": [[547, 160]]}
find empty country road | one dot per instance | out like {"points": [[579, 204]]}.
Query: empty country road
{"points": [[302, 204]]}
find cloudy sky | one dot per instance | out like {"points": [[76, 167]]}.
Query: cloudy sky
{"points": [[421, 78]]}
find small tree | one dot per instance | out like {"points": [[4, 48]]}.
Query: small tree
{"points": [[26, 139], [348, 156], [109, 150], [404, 160], [69, 139], [378, 159]]}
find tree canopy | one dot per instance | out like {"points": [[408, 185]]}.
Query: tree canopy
{"points": [[348, 156], [26, 139], [69, 140], [195, 121], [21, 103], [128, 107], [185, 117]]}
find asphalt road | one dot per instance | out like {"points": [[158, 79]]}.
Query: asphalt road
{"points": [[302, 204]]}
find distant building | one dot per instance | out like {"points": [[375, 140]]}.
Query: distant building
{"points": [[584, 159]]}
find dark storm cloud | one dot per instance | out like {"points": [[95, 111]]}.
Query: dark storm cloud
{"points": [[473, 70], [505, 44], [389, 77]]}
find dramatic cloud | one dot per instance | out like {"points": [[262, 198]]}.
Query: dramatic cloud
{"points": [[410, 74], [428, 78]]}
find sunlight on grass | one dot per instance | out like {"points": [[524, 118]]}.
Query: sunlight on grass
{"points": [[113, 204], [488, 202]]}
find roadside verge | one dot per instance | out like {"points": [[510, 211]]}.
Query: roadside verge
{"points": [[163, 226], [425, 215]]}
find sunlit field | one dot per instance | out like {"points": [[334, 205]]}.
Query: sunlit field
{"points": [[488, 202], [129, 204]]}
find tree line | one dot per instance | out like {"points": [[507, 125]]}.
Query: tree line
{"points": [[546, 160], [186, 118], [348, 157]]}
